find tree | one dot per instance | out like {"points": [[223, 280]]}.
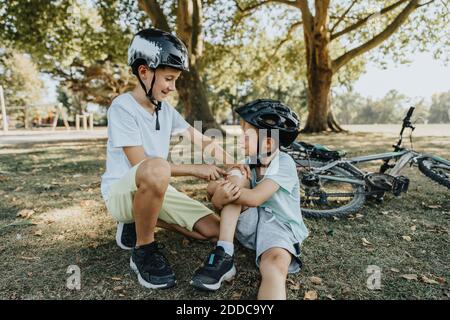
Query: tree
{"points": [[20, 78], [67, 40], [236, 74], [188, 26], [357, 27], [440, 108]]}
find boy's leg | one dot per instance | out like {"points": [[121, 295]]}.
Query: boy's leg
{"points": [[219, 265], [274, 267], [152, 180], [206, 228]]}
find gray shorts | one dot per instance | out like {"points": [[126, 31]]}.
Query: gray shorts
{"points": [[267, 233]]}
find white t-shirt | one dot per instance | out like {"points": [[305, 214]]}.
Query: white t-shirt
{"points": [[129, 124]]}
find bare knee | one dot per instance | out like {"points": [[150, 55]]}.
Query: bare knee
{"points": [[208, 227], [239, 181], [211, 188], [153, 174], [275, 263]]}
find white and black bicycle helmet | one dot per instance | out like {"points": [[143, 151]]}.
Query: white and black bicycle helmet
{"points": [[156, 48], [271, 114]]}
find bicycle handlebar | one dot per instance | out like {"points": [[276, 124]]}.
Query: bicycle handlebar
{"points": [[409, 114]]}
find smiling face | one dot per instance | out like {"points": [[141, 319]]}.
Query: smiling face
{"points": [[164, 82]]}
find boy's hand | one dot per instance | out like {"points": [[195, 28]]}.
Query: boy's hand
{"points": [[208, 172], [226, 192]]}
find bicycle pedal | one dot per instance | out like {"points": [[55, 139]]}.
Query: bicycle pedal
{"points": [[400, 185]]}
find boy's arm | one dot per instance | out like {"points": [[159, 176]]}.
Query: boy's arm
{"points": [[258, 195], [226, 192], [219, 153], [135, 154]]}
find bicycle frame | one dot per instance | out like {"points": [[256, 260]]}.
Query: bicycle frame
{"points": [[404, 157]]}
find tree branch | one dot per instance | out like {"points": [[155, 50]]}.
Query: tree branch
{"points": [[280, 44], [364, 20], [252, 7], [307, 17], [156, 14], [342, 16], [378, 39]]}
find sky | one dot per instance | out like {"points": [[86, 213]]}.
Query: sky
{"points": [[421, 78]]}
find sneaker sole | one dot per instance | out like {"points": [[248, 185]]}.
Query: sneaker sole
{"points": [[215, 286], [119, 236], [146, 284]]}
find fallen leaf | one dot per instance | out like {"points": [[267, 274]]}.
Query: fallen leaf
{"points": [[428, 280], [116, 278], [295, 286], [329, 296], [359, 216], [236, 296], [118, 288], [38, 233], [185, 242], [316, 280], [25, 213], [29, 258], [395, 270], [384, 213], [409, 276], [346, 290], [310, 295], [440, 280], [407, 238], [435, 206], [365, 242], [413, 228]]}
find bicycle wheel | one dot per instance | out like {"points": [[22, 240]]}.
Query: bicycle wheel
{"points": [[435, 169], [325, 198]]}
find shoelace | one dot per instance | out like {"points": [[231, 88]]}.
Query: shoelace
{"points": [[155, 259]]}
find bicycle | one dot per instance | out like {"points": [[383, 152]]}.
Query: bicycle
{"points": [[333, 186]]}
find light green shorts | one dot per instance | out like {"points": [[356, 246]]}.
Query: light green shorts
{"points": [[177, 208]]}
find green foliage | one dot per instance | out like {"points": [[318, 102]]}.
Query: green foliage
{"points": [[440, 108], [19, 77]]}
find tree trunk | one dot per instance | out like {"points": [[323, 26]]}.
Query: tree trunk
{"points": [[319, 70], [195, 106]]}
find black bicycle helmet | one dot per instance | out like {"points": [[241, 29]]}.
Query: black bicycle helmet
{"points": [[156, 48], [271, 114]]}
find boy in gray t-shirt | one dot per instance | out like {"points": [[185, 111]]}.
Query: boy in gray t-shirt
{"points": [[272, 223]]}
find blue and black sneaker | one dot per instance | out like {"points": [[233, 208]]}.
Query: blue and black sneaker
{"points": [[218, 267], [152, 267], [126, 235]]}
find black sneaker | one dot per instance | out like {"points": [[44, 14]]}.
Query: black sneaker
{"points": [[126, 235], [218, 267], [152, 268]]}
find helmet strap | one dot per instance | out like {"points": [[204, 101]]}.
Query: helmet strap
{"points": [[150, 97], [258, 158]]}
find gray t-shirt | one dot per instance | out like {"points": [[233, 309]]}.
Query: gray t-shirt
{"points": [[285, 202], [129, 124]]}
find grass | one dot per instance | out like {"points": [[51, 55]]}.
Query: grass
{"points": [[69, 225]]}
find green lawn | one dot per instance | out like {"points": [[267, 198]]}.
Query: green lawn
{"points": [[68, 225]]}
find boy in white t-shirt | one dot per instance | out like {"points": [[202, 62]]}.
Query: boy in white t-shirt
{"points": [[135, 185]]}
